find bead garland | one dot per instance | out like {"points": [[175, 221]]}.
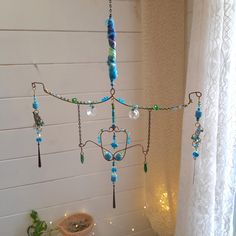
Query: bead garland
{"points": [[38, 124]]}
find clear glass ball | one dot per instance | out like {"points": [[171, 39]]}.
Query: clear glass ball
{"points": [[91, 111], [134, 114]]}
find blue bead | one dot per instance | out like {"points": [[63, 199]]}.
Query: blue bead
{"points": [[110, 60], [113, 68], [114, 169], [35, 104], [128, 141], [113, 74], [104, 98], [108, 156], [114, 177], [118, 157], [198, 114], [99, 139], [112, 35], [38, 131], [196, 145], [195, 154], [39, 139], [121, 100], [110, 22], [114, 145]]}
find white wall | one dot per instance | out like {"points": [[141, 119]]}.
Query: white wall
{"points": [[67, 41], [189, 19]]}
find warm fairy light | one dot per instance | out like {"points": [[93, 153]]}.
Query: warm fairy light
{"points": [[132, 229], [93, 233], [65, 215], [94, 224], [110, 222], [50, 222], [145, 207], [164, 201]]}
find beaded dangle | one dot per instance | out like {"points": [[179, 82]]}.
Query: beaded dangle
{"points": [[38, 124], [116, 152], [80, 135], [196, 139]]}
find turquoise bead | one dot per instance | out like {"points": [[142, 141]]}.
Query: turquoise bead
{"points": [[114, 145], [104, 99], [113, 73], [121, 100], [39, 139], [35, 104], [114, 177], [128, 141], [195, 154], [99, 139], [118, 157], [38, 131], [108, 156], [198, 114], [114, 169]]}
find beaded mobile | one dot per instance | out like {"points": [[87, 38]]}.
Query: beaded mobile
{"points": [[115, 154]]}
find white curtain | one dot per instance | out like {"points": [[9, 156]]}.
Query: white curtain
{"points": [[206, 207], [164, 83]]}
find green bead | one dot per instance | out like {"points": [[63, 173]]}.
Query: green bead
{"points": [[82, 158], [155, 107], [74, 100], [145, 167]]}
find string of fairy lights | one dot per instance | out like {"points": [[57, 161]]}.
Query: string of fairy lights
{"points": [[109, 221]]}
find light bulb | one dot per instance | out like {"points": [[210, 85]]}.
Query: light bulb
{"points": [[134, 114], [91, 111]]}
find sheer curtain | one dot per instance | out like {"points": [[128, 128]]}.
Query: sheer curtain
{"points": [[164, 83], [206, 207]]}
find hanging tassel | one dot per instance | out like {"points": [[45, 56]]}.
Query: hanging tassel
{"points": [[114, 196], [39, 156]]}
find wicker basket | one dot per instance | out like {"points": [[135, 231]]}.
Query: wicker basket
{"points": [[79, 224]]}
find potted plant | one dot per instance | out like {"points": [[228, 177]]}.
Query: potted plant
{"points": [[38, 226]]}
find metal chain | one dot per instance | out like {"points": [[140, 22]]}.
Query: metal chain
{"points": [[79, 127], [149, 133], [110, 8]]}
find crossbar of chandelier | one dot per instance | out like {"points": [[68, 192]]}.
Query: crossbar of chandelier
{"points": [[116, 154]]}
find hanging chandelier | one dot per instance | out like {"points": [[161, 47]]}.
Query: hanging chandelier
{"points": [[115, 153]]}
